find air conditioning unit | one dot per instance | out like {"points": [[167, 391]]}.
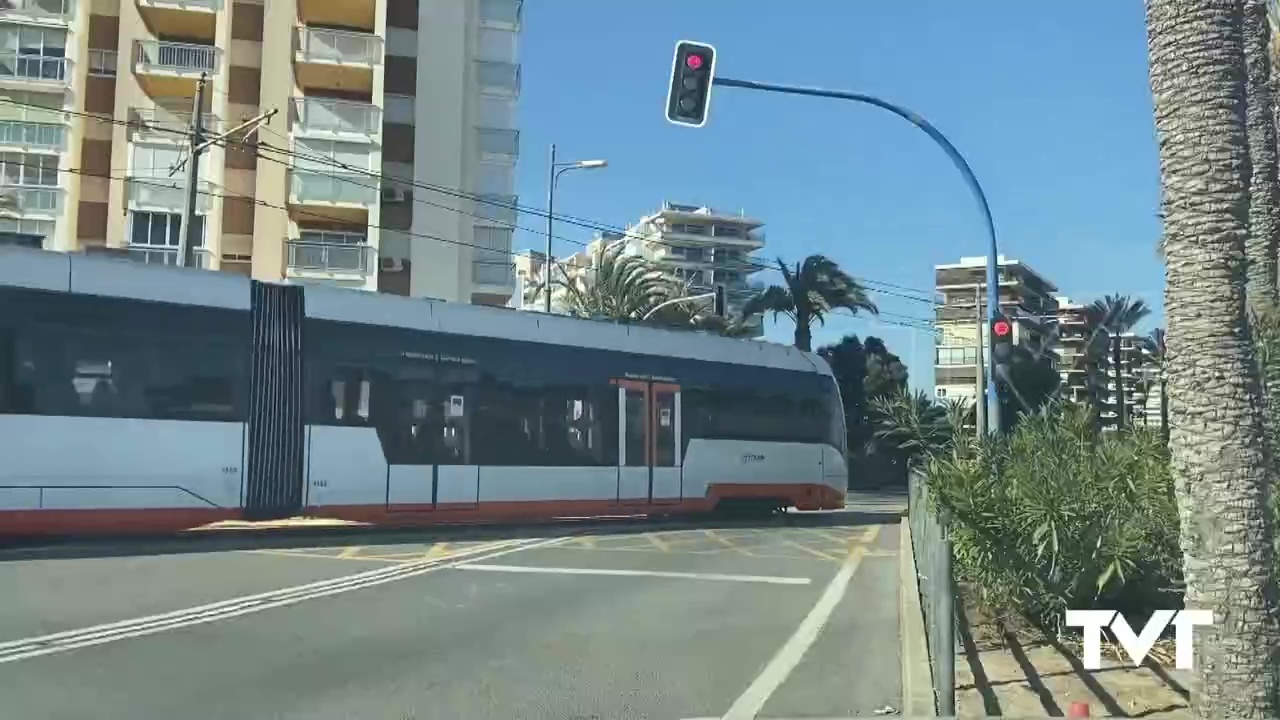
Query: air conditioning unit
{"points": [[391, 264], [393, 194]]}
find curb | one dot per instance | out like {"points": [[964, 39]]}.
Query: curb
{"points": [[917, 674]]}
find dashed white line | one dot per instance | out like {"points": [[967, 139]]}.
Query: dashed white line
{"points": [[766, 579]]}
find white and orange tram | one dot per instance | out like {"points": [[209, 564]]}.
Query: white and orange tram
{"points": [[143, 399]]}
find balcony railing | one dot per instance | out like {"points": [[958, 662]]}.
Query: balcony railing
{"points": [[34, 68], [160, 192], [306, 188], [500, 274], [167, 256], [497, 143], [164, 56], [501, 14], [499, 209], [38, 200], [32, 136], [340, 47], [206, 6], [498, 78], [167, 123], [330, 257], [338, 117], [59, 11]]}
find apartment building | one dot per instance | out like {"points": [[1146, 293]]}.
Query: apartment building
{"points": [[388, 163], [694, 244], [1082, 355], [1026, 297]]}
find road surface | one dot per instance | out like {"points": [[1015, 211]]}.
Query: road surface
{"points": [[786, 618]]}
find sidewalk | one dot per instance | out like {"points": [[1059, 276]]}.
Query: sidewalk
{"points": [[1011, 670]]}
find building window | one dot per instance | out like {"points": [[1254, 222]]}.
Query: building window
{"points": [[102, 63], [35, 52], [398, 109], [161, 230], [24, 169], [330, 156], [154, 160]]}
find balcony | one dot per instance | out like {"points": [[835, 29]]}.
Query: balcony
{"points": [[330, 117], [498, 78], [336, 59], [190, 19], [330, 253], [497, 209], [167, 122], [36, 72], [32, 136], [33, 201], [332, 189], [171, 69], [148, 255], [496, 274], [52, 12], [339, 13], [501, 14], [498, 145], [160, 193]]}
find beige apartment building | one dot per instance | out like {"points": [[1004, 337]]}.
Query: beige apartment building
{"points": [[1026, 297], [388, 163]]}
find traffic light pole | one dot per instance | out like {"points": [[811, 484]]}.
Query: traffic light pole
{"points": [[993, 285]]}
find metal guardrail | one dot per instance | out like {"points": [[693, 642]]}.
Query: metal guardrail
{"points": [[931, 546]]}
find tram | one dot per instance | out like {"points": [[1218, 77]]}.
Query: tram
{"points": [[142, 399]]}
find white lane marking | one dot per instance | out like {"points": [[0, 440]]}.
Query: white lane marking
{"points": [[27, 648], [767, 579], [788, 657]]}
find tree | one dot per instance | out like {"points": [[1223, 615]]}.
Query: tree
{"points": [[1116, 315], [1197, 73], [616, 286], [1033, 384], [1156, 345], [886, 374], [911, 425], [811, 289]]}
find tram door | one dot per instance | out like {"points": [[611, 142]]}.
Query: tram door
{"points": [[648, 442]]}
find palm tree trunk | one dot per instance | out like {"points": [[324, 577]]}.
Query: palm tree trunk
{"points": [[804, 332], [1164, 410], [1220, 479], [1115, 361], [1264, 192]]}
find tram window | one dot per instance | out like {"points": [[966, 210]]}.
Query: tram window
{"points": [[545, 427], [716, 414], [74, 372]]}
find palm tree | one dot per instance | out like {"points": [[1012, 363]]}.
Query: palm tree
{"points": [[1264, 190], [810, 290], [1115, 315], [911, 425], [616, 286], [1197, 73]]}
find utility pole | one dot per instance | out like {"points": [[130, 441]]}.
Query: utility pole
{"points": [[979, 364], [198, 144], [193, 172], [551, 220]]}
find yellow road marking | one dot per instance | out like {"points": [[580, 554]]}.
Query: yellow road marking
{"points": [[658, 542], [870, 535], [350, 552], [716, 536], [322, 556], [812, 551], [586, 541]]}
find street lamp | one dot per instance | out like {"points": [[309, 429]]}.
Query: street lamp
{"points": [[555, 169]]}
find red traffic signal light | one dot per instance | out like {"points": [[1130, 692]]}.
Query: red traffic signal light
{"points": [[694, 62], [1001, 328], [692, 74]]}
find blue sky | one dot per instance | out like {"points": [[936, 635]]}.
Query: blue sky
{"points": [[1048, 101]]}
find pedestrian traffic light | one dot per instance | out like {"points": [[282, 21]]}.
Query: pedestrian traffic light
{"points": [[718, 304], [692, 70]]}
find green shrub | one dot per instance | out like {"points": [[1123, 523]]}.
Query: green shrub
{"points": [[1057, 516]]}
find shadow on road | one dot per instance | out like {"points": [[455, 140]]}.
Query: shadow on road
{"points": [[303, 537]]}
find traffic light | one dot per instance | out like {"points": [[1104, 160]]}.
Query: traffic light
{"points": [[1001, 346], [691, 72], [718, 303]]}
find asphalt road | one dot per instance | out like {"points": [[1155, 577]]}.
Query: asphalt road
{"points": [[793, 618]]}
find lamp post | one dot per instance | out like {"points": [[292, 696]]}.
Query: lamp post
{"points": [[554, 170]]}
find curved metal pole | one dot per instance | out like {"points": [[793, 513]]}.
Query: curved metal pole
{"points": [[993, 285], [676, 301]]}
